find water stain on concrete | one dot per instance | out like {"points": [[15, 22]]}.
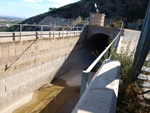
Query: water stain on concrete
{"points": [[56, 97]]}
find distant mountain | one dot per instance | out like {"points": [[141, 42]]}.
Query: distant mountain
{"points": [[11, 17]]}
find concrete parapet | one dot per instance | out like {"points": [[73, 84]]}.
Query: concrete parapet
{"points": [[101, 95]]}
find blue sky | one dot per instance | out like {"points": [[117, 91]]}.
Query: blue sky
{"points": [[29, 8]]}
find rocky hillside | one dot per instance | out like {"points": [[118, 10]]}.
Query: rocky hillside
{"points": [[128, 10]]}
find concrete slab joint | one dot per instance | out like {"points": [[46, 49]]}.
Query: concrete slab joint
{"points": [[101, 95]]}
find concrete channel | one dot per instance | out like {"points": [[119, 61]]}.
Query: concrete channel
{"points": [[62, 94]]}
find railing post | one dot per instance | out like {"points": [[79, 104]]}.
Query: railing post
{"points": [[36, 35], [20, 31], [84, 83], [59, 33], [67, 33], [76, 31], [41, 30], [13, 36], [49, 34], [53, 31], [50, 30], [59, 47], [63, 31]]}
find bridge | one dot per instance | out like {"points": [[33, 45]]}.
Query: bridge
{"points": [[31, 59]]}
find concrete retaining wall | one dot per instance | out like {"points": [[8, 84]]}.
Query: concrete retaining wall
{"points": [[27, 65], [128, 41], [101, 95]]}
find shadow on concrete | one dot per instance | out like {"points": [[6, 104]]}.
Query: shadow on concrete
{"points": [[15, 60], [80, 58]]}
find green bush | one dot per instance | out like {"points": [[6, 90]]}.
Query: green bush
{"points": [[129, 100], [113, 1], [114, 9], [68, 15]]}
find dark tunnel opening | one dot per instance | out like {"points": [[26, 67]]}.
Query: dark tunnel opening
{"points": [[97, 43]]}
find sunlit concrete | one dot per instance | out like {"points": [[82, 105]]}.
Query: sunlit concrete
{"points": [[101, 95]]}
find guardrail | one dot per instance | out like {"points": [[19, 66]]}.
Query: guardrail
{"points": [[84, 81], [55, 31]]}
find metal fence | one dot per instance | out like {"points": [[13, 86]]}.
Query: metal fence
{"points": [[54, 31]]}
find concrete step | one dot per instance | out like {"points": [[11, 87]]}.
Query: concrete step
{"points": [[144, 77], [148, 59], [146, 93], [146, 69], [145, 84]]}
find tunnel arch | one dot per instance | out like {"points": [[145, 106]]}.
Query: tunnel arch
{"points": [[99, 42]]}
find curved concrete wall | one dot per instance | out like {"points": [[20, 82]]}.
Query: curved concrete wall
{"points": [[109, 31]]}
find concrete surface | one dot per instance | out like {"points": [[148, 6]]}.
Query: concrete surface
{"points": [[128, 41], [33, 63], [73, 78], [147, 69], [101, 95], [27, 65], [58, 97], [144, 77], [94, 29]]}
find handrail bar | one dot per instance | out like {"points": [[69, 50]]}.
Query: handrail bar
{"points": [[75, 22], [100, 56], [84, 81], [34, 25]]}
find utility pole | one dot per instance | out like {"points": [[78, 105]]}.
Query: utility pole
{"points": [[143, 45]]}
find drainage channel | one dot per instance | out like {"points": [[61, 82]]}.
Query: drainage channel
{"points": [[60, 96]]}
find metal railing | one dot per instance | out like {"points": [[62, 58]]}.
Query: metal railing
{"points": [[84, 81], [52, 32], [78, 20]]}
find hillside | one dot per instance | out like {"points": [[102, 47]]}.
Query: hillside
{"points": [[129, 10]]}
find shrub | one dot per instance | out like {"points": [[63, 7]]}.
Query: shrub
{"points": [[129, 100]]}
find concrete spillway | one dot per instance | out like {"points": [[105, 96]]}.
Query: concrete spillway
{"points": [[28, 64], [62, 94]]}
